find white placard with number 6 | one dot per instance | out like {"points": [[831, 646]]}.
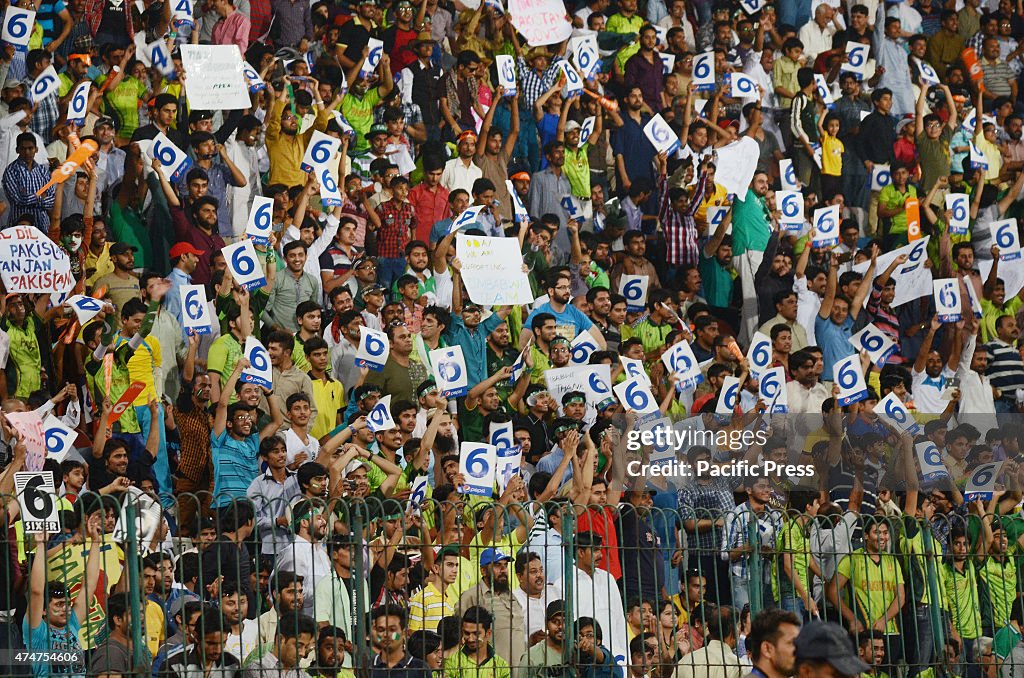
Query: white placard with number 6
{"points": [[881, 176], [244, 264], [373, 58], [1007, 238], [195, 310], [260, 371], [374, 348], [636, 396], [826, 226], [877, 343], [506, 73], [946, 293], [173, 161], [634, 288], [18, 25], [893, 412], [771, 389], [261, 220], [856, 59], [477, 463], [581, 348], [848, 375], [931, 460], [59, 438], [960, 218], [85, 308], [79, 104], [703, 71], [982, 481], [319, 151], [44, 85], [791, 205], [380, 419], [759, 355]]}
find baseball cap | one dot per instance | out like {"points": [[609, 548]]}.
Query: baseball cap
{"points": [[829, 643], [185, 248], [377, 130], [371, 289], [491, 556], [571, 125], [122, 248], [106, 120], [363, 260], [196, 116], [554, 609]]}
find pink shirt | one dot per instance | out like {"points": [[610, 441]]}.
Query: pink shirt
{"points": [[232, 30]]}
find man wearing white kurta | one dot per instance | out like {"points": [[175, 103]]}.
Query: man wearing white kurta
{"points": [[596, 594]]}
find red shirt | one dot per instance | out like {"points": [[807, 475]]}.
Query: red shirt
{"points": [[397, 222], [431, 207], [603, 522]]}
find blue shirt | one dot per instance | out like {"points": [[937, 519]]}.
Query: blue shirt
{"points": [[834, 341], [550, 461], [570, 317], [172, 300], [474, 345], [235, 464], [45, 637]]}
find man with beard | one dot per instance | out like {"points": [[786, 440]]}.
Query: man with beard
{"points": [[271, 492], [548, 187], [635, 262], [570, 321], [284, 143], [337, 263], [596, 593], [471, 333], [288, 601], [545, 657], [460, 172], [493, 592], [534, 593], [343, 354], [331, 653], [201, 231], [930, 372], [306, 556], [207, 654], [500, 355], [634, 156], [600, 300], [770, 642], [293, 641]]}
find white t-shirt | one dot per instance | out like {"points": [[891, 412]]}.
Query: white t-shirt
{"points": [[927, 391], [295, 445]]}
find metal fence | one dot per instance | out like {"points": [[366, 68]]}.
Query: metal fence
{"points": [[471, 586]]}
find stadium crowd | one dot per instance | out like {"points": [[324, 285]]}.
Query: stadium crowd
{"points": [[348, 379]]}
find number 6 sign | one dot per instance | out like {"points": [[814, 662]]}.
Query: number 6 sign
{"points": [[36, 492], [477, 463], [947, 299], [243, 262], [374, 349], [634, 288], [982, 481], [17, 28], [852, 387], [373, 58], [195, 311], [826, 226], [259, 371]]}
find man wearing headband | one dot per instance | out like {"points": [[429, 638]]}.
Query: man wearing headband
{"points": [[566, 434], [306, 556]]}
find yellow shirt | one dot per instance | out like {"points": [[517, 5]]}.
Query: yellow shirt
{"points": [[831, 155], [100, 264], [992, 156], [155, 625], [142, 367], [328, 397], [68, 565]]}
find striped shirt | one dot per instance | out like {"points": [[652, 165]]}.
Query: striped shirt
{"points": [[680, 227], [885, 319], [427, 607], [736, 529], [235, 464], [1006, 369]]}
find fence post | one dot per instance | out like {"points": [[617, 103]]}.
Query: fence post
{"points": [[755, 579], [568, 583], [934, 595], [132, 553], [361, 580]]}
